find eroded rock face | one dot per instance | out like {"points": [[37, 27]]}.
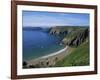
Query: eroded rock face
{"points": [[76, 35], [78, 39], [58, 31]]}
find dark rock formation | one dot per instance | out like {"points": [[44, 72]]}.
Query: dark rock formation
{"points": [[58, 31], [73, 36], [78, 39], [25, 64]]}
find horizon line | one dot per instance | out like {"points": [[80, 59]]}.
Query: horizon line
{"points": [[60, 26]]}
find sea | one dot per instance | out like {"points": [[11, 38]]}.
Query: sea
{"points": [[38, 43]]}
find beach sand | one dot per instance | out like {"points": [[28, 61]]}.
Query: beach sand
{"points": [[51, 59]]}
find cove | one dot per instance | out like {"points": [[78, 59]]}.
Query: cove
{"points": [[38, 43]]}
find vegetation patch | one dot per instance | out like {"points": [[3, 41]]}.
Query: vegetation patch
{"points": [[78, 57]]}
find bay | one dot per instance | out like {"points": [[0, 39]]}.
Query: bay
{"points": [[38, 43]]}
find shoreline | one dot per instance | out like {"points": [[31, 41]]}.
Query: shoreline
{"points": [[51, 59], [55, 53]]}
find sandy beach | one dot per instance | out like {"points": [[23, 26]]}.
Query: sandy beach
{"points": [[51, 59]]}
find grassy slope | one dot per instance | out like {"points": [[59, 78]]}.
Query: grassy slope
{"points": [[72, 28], [75, 32], [78, 57]]}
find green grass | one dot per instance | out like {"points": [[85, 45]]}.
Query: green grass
{"points": [[78, 57], [75, 32], [72, 28]]}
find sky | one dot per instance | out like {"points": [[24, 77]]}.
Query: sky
{"points": [[50, 19]]}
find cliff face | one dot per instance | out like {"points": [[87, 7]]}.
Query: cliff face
{"points": [[59, 30], [73, 36], [77, 39]]}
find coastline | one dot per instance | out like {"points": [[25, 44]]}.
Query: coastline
{"points": [[55, 53], [51, 59]]}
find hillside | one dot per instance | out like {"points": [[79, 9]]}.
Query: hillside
{"points": [[78, 57], [72, 36], [77, 38]]}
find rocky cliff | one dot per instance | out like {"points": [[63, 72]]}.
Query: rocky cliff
{"points": [[77, 39], [73, 36], [59, 30]]}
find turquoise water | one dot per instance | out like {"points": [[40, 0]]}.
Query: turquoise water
{"points": [[37, 43]]}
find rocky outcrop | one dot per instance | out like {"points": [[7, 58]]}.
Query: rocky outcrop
{"points": [[77, 39], [59, 30], [73, 36]]}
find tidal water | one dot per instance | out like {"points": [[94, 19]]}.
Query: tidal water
{"points": [[37, 43]]}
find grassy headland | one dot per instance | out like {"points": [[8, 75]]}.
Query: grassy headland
{"points": [[77, 38], [78, 57]]}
